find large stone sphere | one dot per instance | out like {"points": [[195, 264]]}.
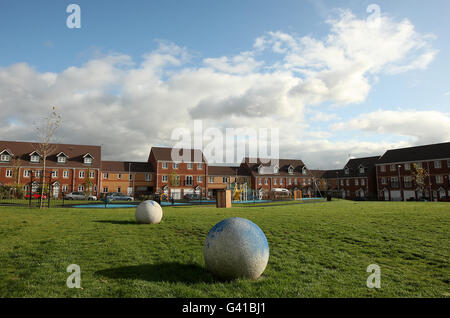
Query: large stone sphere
{"points": [[236, 248], [148, 212]]}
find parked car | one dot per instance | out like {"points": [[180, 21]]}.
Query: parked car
{"points": [[116, 196], [92, 198], [77, 195], [193, 196], [35, 196]]}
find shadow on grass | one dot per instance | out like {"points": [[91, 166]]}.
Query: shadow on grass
{"points": [[117, 222], [162, 272]]}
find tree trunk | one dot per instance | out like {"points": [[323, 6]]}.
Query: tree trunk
{"points": [[43, 183]]}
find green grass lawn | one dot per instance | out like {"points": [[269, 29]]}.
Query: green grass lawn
{"points": [[316, 250]]}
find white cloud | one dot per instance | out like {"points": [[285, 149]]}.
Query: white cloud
{"points": [[129, 107]]}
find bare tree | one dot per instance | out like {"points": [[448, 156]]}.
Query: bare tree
{"points": [[419, 176], [45, 133]]}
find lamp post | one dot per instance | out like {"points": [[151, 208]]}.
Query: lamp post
{"points": [[400, 182]]}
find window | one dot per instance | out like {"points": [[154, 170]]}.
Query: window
{"points": [[88, 160], [281, 181], [439, 180], [55, 174], [347, 182], [224, 179], [38, 173], [9, 173], [34, 158], [407, 166], [175, 165], [199, 178], [130, 177], [259, 181], [347, 171], [363, 182], [309, 181], [356, 182], [65, 174], [383, 180], [361, 169], [65, 188], [437, 164], [165, 178], [448, 163], [274, 181], [383, 168], [148, 177], [61, 159], [342, 182], [419, 165], [105, 189], [81, 174], [165, 165], [91, 174], [392, 167], [304, 182], [211, 179], [80, 188], [26, 173], [290, 181], [119, 176], [189, 180], [189, 165], [266, 182], [5, 157], [304, 171], [199, 166], [394, 179], [275, 169], [291, 170], [295, 181], [119, 189]]}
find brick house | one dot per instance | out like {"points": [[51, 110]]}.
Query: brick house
{"points": [[68, 167], [127, 177], [395, 173], [288, 174], [179, 176], [222, 177], [358, 179]]}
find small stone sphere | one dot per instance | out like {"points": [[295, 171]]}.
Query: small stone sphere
{"points": [[236, 248], [148, 212]]}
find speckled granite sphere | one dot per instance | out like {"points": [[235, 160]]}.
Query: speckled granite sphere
{"points": [[236, 248], [149, 212]]}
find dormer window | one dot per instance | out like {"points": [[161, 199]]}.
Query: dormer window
{"points": [[5, 156], [361, 169], [260, 169], [62, 157], [304, 170], [34, 157], [291, 170], [88, 159], [347, 171], [275, 169]]}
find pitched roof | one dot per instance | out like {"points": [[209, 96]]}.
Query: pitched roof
{"points": [[75, 153], [163, 153], [126, 166], [353, 166], [426, 152], [283, 165], [227, 171]]}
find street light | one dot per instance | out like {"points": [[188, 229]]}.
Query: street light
{"points": [[400, 181]]}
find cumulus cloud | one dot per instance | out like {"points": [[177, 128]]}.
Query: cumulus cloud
{"points": [[129, 107]]}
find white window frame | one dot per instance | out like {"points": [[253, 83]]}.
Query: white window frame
{"points": [[437, 164], [105, 189], [148, 177], [165, 165], [105, 175], [88, 160], [38, 173], [64, 188], [130, 177], [347, 170], [175, 165], [190, 166], [356, 182], [407, 166], [81, 174], [62, 159], [266, 181], [392, 167], [382, 168], [80, 188], [9, 173], [91, 174], [66, 174], [35, 158], [199, 166], [54, 173], [119, 176], [211, 179], [224, 179], [274, 181], [383, 180], [165, 178], [199, 179], [186, 180], [363, 182], [361, 170], [439, 179], [26, 173], [5, 158]]}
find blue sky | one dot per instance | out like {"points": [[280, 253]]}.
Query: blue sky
{"points": [[35, 33]]}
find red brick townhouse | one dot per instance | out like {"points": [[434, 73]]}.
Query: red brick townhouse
{"points": [[395, 173], [289, 174], [223, 177], [358, 179], [179, 176], [127, 177], [332, 179], [68, 167]]}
